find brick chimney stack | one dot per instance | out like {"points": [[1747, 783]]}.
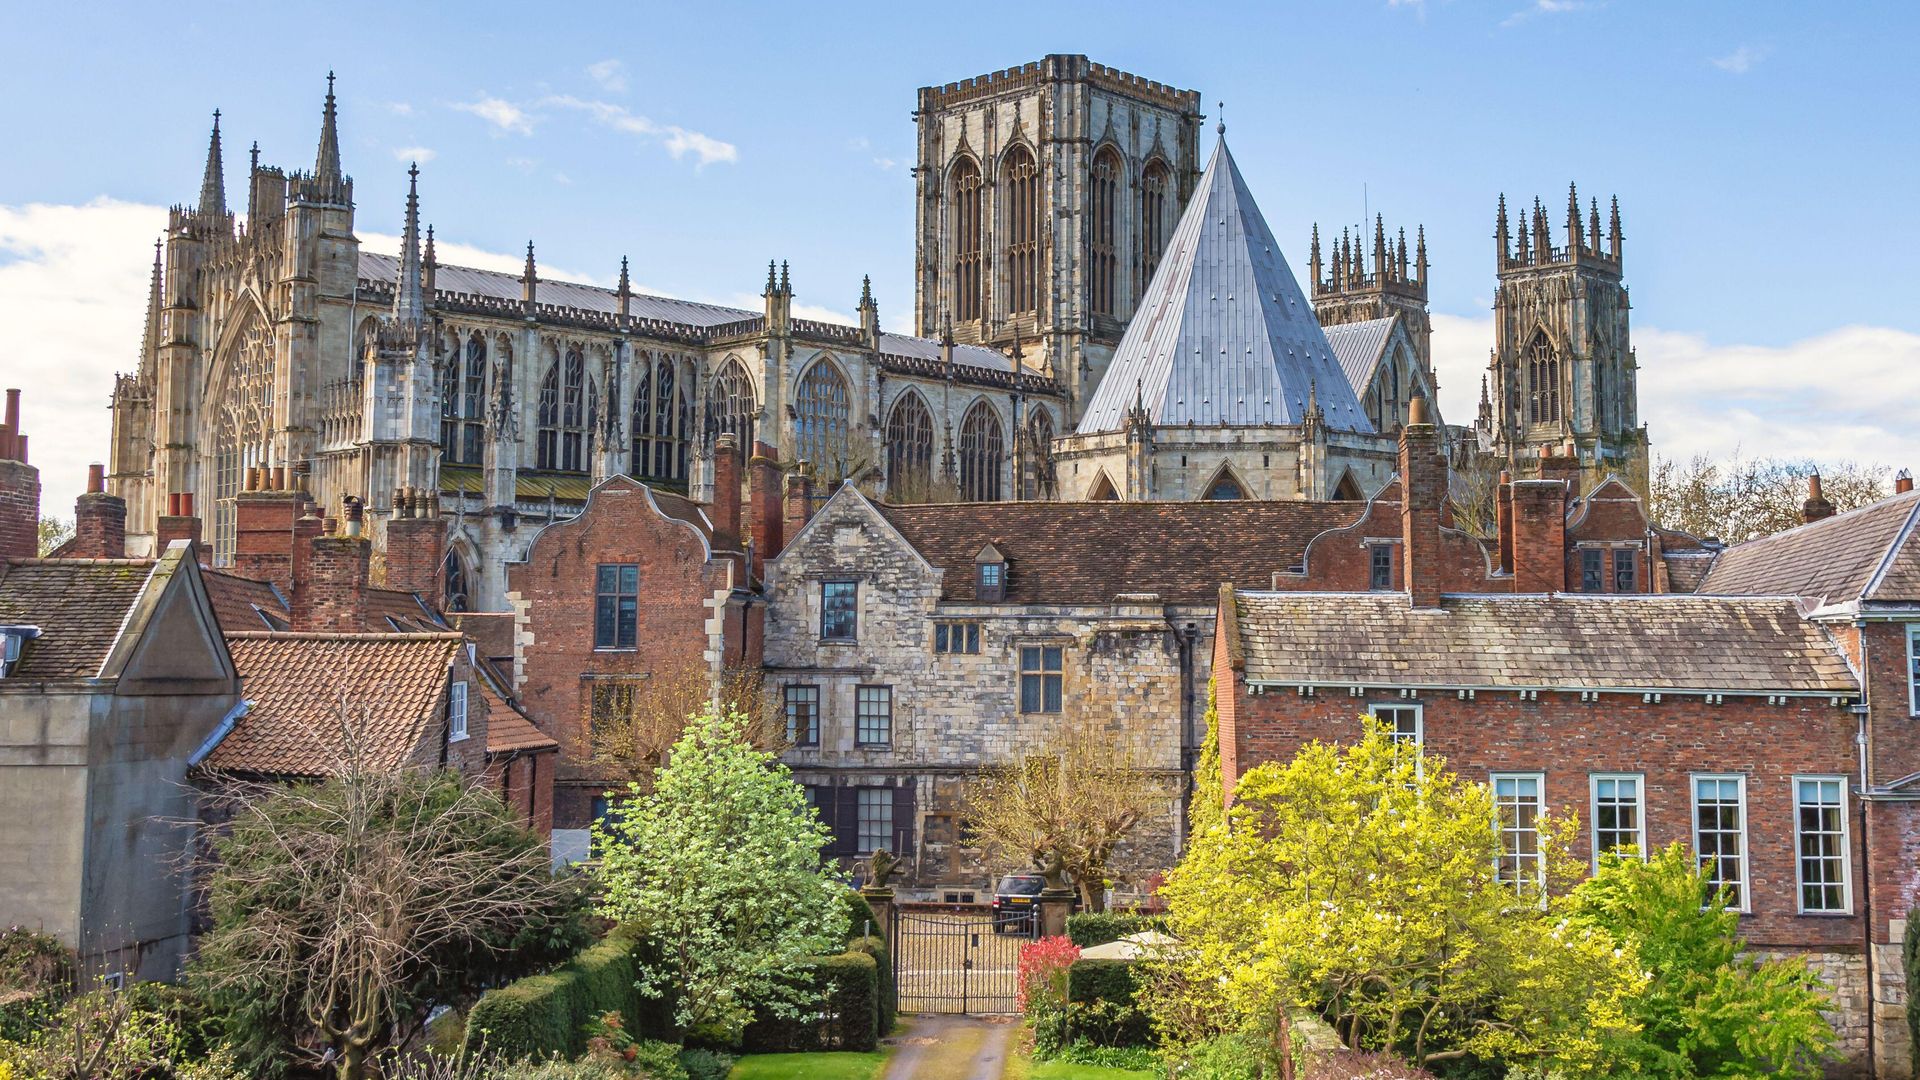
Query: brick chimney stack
{"points": [[763, 494], [263, 528], [1817, 505], [799, 500], [1423, 490], [330, 575], [416, 545], [99, 520], [726, 492], [1503, 520], [1902, 482], [1539, 536], [1564, 467], [19, 489], [178, 523]]}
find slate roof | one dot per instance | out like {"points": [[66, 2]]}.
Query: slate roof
{"points": [[1223, 334], [1358, 347], [389, 687], [1872, 553], [1642, 643], [1090, 552], [80, 606]]}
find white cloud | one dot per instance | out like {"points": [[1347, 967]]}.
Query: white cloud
{"points": [[609, 75], [678, 140], [563, 179], [504, 116], [1843, 394], [454, 253], [419, 155], [400, 108], [524, 164], [1547, 7], [1741, 60]]}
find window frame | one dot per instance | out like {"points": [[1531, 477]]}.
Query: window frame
{"points": [[1375, 549], [1845, 845], [1042, 673], [1593, 570], [457, 701], [860, 715], [1419, 739], [966, 631], [886, 799], [1538, 857], [1630, 558], [990, 591], [852, 633], [1639, 812], [601, 597], [787, 701], [1913, 669], [1745, 905]]}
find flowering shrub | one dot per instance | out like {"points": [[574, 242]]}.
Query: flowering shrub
{"points": [[1043, 972]]}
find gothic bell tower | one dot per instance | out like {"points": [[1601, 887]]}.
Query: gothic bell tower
{"points": [[1563, 379]]}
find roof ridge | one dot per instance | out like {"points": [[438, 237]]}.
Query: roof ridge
{"points": [[1894, 548], [325, 635], [77, 561]]}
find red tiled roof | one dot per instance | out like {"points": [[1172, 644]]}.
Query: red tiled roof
{"points": [[508, 730], [1089, 552], [1872, 553], [80, 606], [311, 692], [242, 604]]}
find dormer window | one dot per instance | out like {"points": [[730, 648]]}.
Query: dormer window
{"points": [[990, 575], [13, 642]]}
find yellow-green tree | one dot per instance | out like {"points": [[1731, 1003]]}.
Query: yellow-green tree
{"points": [[1360, 883]]}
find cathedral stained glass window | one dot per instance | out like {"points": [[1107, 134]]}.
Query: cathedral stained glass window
{"points": [[561, 444], [822, 434], [463, 391], [1037, 477], [1023, 230], [909, 449], [1154, 184], [966, 240], [1104, 193], [983, 451], [243, 426], [662, 414], [730, 404], [1543, 381]]}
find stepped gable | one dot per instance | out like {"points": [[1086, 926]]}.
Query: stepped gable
{"points": [[1224, 336]]}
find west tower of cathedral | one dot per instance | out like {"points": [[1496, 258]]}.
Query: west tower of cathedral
{"points": [[1562, 378], [1046, 197]]}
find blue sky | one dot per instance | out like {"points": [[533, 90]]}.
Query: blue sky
{"points": [[1763, 154]]}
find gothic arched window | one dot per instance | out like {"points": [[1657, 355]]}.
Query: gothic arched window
{"points": [[562, 440], [966, 239], [821, 433], [1543, 381], [1225, 488], [1103, 238], [661, 414], [1023, 229], [909, 449], [243, 425], [1037, 480], [463, 391], [1155, 183], [1103, 490], [730, 404], [456, 592], [983, 450]]}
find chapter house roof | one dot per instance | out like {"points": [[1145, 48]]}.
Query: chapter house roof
{"points": [[80, 606], [1650, 643], [1091, 552], [1872, 553], [1223, 334]]}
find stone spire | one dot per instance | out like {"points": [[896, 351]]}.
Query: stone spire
{"points": [[626, 290], [1574, 240], [1313, 260], [529, 281], [429, 263], [1420, 253], [150, 334], [408, 305], [1500, 228], [1613, 231], [213, 183], [326, 163]]}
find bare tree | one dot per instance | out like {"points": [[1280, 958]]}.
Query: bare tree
{"points": [[1473, 489], [1745, 498], [1063, 810], [343, 910], [634, 723]]}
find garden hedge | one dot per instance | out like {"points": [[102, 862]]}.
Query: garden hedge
{"points": [[848, 1019], [546, 1014], [1910, 954], [1091, 928], [876, 947], [1100, 1004]]}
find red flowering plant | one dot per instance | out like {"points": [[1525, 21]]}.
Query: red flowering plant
{"points": [[1042, 990]]}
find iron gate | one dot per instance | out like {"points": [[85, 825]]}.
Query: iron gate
{"points": [[958, 960]]}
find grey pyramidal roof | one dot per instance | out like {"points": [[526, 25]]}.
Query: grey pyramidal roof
{"points": [[1223, 336]]}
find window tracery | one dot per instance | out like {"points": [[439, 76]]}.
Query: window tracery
{"points": [[983, 452], [909, 449], [1023, 230], [966, 240]]}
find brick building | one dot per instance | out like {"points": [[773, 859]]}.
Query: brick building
{"points": [[643, 592], [1731, 723]]}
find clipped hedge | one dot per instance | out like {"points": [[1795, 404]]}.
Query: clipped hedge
{"points": [[1100, 1004], [547, 1014], [1091, 928], [876, 947], [1910, 956], [848, 1018]]}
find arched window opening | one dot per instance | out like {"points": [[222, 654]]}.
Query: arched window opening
{"points": [[967, 235], [910, 450], [1037, 476], [1154, 185], [730, 405], [983, 451], [1225, 488], [457, 592], [1543, 381], [1023, 230], [463, 391], [661, 413], [565, 401], [1346, 490], [821, 433], [242, 431], [1103, 237]]}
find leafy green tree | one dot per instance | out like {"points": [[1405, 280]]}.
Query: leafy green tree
{"points": [[719, 866], [1707, 1010], [344, 911], [1360, 883], [54, 532]]}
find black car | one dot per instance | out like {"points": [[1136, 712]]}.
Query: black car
{"points": [[1015, 902]]}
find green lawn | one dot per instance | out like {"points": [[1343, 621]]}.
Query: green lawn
{"points": [[836, 1066]]}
